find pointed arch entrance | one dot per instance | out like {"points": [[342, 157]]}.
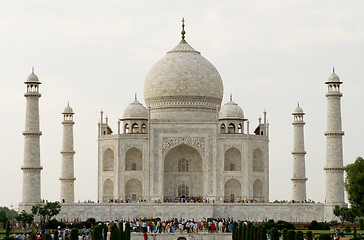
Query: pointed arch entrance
{"points": [[183, 172]]}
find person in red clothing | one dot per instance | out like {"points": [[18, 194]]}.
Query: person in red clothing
{"points": [[145, 236], [212, 227]]}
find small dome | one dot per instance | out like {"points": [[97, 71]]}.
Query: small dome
{"points": [[334, 78], [135, 110], [231, 110], [68, 110], [298, 110], [32, 77]]}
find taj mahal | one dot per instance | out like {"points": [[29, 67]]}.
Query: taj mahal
{"points": [[185, 142]]}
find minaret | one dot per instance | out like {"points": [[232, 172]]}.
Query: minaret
{"points": [[67, 176], [334, 149], [299, 169], [31, 165]]}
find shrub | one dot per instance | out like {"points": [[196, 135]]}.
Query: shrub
{"points": [[47, 236], [235, 231], [91, 220], [33, 236], [291, 235], [284, 234], [97, 233], [333, 223], [354, 232], [268, 225], [314, 225], [56, 235], [309, 235], [264, 233], [361, 224], [283, 224], [74, 234], [243, 232], [113, 232], [239, 231], [9, 238], [105, 230], [274, 234], [53, 224], [127, 231], [324, 236], [248, 229], [121, 233], [347, 229], [299, 235]]}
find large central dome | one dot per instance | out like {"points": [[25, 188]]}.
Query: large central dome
{"points": [[183, 79]]}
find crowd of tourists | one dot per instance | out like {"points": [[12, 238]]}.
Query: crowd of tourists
{"points": [[178, 225]]}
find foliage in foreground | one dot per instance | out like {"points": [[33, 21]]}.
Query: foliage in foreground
{"points": [[354, 185]]}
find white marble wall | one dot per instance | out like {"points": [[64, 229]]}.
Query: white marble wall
{"points": [[293, 212]]}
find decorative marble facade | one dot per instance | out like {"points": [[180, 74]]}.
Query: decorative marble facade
{"points": [[183, 145]]}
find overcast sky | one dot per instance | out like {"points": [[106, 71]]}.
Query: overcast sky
{"points": [[96, 54]]}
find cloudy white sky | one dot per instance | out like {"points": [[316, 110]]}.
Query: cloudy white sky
{"points": [[96, 54]]}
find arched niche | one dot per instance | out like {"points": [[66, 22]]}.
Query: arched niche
{"points": [[232, 190], [133, 159], [108, 160], [135, 128], [222, 128], [258, 189], [133, 190], [183, 165], [232, 160], [108, 189], [231, 128], [258, 160]]}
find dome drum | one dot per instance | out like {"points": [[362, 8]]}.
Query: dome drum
{"points": [[183, 102]]}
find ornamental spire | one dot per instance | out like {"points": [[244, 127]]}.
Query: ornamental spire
{"points": [[183, 32]]}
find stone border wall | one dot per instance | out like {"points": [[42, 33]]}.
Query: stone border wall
{"points": [[292, 212]]}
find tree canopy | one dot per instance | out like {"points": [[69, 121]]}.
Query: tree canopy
{"points": [[25, 218], [354, 185], [46, 212], [345, 214]]}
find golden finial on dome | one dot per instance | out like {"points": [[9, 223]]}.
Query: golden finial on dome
{"points": [[183, 32]]}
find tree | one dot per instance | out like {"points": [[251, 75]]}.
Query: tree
{"points": [[113, 232], [264, 233], [127, 231], [10, 213], [7, 233], [344, 213], [299, 235], [46, 212], [291, 235], [121, 235], [354, 185], [74, 234], [97, 233], [309, 235], [324, 236], [3, 218], [284, 234], [274, 233], [25, 218]]}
